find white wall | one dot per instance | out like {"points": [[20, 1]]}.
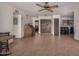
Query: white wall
{"points": [[76, 24], [6, 18]]}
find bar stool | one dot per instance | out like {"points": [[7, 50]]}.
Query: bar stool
{"points": [[4, 48]]}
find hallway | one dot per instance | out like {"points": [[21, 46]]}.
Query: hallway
{"points": [[45, 45]]}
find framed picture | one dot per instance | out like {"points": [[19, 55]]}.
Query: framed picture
{"points": [[15, 20]]}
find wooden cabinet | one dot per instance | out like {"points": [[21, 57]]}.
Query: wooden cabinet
{"points": [[28, 31]]}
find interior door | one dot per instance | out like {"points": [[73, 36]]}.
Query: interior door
{"points": [[45, 26], [56, 26]]}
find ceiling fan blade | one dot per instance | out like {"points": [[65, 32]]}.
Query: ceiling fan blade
{"points": [[55, 6], [42, 9], [50, 10], [40, 5]]}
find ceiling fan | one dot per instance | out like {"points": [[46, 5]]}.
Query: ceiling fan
{"points": [[47, 7]]}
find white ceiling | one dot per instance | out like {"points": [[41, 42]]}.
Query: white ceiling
{"points": [[65, 8]]}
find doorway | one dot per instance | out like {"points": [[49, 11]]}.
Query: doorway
{"points": [[45, 25], [56, 26], [36, 26]]}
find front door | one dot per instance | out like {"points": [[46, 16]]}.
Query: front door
{"points": [[45, 26]]}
